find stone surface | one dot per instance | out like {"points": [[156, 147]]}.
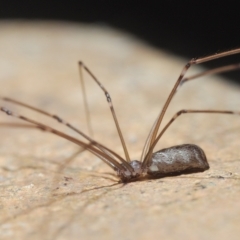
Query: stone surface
{"points": [[41, 198]]}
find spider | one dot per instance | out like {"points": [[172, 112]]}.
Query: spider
{"points": [[176, 160]]}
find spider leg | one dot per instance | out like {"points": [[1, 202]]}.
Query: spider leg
{"points": [[193, 61], [184, 111], [109, 100], [89, 146], [60, 120]]}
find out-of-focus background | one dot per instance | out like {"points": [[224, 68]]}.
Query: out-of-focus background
{"points": [[188, 28]]}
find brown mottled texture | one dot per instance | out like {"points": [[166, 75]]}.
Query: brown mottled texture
{"points": [[43, 198], [185, 158]]}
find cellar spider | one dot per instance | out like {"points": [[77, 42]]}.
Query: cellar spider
{"points": [[176, 160]]}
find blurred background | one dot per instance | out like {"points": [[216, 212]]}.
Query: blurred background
{"points": [[186, 28]]}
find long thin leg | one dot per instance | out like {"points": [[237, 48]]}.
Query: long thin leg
{"points": [[60, 120], [147, 142], [87, 113], [222, 69], [179, 113], [184, 70], [17, 125], [109, 100], [22, 125], [108, 160]]}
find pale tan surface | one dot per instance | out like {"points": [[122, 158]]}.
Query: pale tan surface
{"points": [[38, 65]]}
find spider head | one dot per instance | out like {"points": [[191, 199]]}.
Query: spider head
{"points": [[126, 175]]}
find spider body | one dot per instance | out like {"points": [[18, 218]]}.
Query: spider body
{"points": [[185, 158], [176, 160]]}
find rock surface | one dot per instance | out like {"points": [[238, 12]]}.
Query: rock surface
{"points": [[44, 195]]}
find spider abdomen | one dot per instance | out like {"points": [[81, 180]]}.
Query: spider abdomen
{"points": [[186, 158]]}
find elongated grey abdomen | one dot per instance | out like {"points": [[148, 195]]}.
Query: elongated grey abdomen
{"points": [[186, 158]]}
